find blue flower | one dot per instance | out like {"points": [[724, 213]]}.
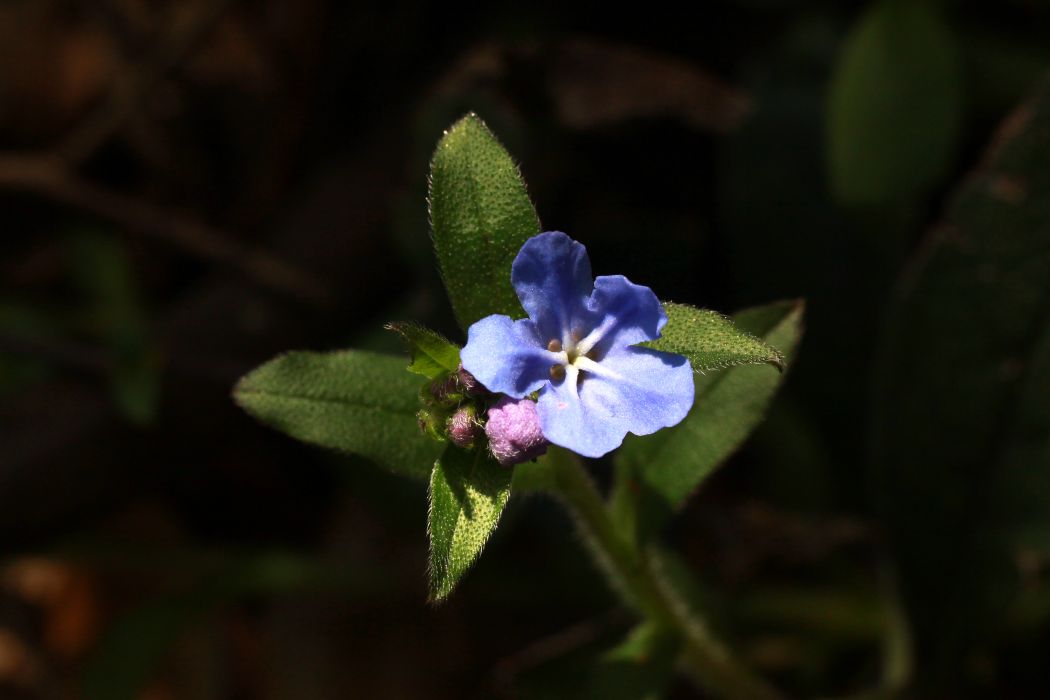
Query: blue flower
{"points": [[577, 349]]}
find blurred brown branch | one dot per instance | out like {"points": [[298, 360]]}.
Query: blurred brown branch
{"points": [[51, 173], [49, 177]]}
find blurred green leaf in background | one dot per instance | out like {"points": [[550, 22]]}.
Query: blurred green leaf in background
{"points": [[960, 441], [115, 315], [895, 104]]}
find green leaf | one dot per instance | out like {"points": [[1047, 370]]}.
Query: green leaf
{"points": [[961, 419], [134, 646], [481, 216], [23, 323], [432, 355], [895, 104], [639, 668], [657, 473], [468, 491], [711, 341], [352, 401], [116, 315], [856, 614]]}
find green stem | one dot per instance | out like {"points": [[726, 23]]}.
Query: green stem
{"points": [[637, 580]]}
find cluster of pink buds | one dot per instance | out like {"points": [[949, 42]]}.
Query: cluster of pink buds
{"points": [[511, 426]]}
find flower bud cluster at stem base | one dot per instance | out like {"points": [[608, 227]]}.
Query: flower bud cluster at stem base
{"points": [[457, 408]]}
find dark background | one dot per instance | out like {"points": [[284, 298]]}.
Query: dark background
{"points": [[189, 188]]}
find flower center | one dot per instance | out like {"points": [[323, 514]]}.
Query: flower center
{"points": [[573, 353]]}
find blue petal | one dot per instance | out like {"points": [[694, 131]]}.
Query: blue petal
{"points": [[636, 390], [552, 277], [628, 313], [507, 356]]}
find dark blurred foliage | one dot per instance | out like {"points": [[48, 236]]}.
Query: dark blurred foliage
{"points": [[189, 188]]}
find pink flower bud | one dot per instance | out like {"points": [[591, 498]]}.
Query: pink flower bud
{"points": [[463, 428], [468, 384], [513, 429]]}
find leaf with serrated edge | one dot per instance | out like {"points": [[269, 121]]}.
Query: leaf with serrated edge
{"points": [[481, 215], [432, 355], [711, 341], [352, 401], [658, 472], [468, 491]]}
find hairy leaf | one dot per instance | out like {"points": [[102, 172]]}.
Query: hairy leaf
{"points": [[711, 341], [895, 104], [358, 402], [468, 491], [432, 355], [481, 216]]}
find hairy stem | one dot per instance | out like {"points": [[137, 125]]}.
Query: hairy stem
{"points": [[636, 578]]}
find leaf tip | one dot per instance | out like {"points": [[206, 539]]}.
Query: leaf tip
{"points": [[467, 120], [239, 391], [438, 594], [798, 310]]}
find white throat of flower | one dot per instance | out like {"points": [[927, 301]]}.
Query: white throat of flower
{"points": [[574, 353]]}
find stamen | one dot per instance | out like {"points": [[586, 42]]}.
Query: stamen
{"points": [[557, 372], [587, 365], [576, 335], [554, 345], [587, 344], [572, 375]]}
